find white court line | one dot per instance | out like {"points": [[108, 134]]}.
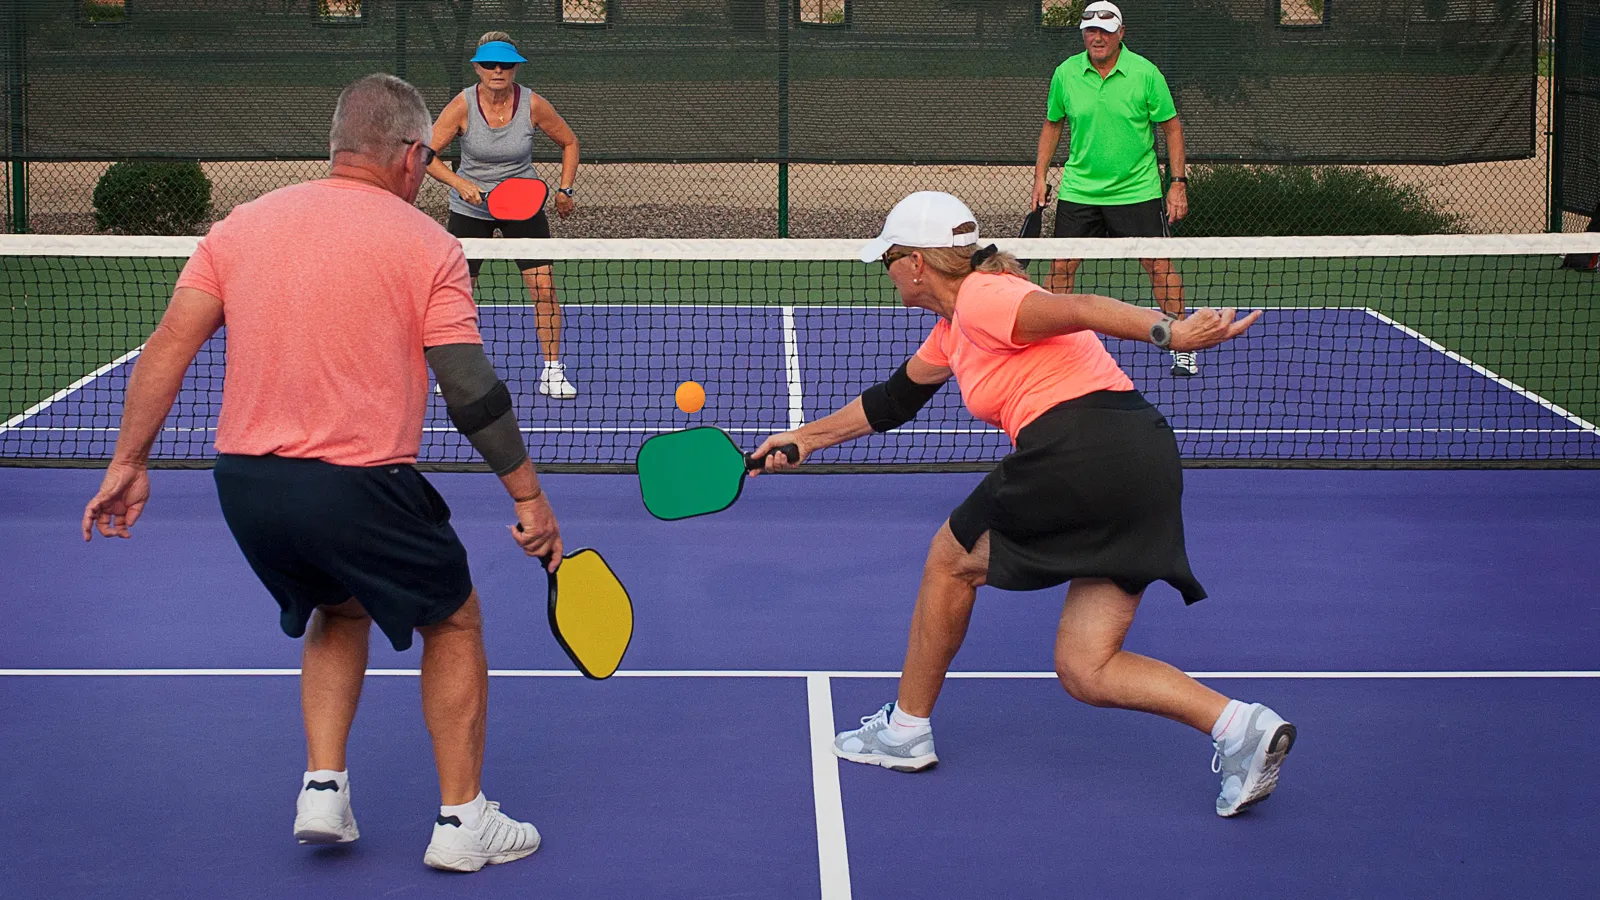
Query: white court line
{"points": [[1431, 344], [801, 673], [833, 855], [44, 404], [791, 370]]}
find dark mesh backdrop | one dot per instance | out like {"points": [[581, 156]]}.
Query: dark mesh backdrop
{"points": [[928, 81], [1578, 104]]}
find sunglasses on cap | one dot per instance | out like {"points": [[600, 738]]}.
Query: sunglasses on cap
{"points": [[496, 66], [428, 153], [1098, 14]]}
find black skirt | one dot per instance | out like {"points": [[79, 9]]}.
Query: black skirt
{"points": [[1093, 490]]}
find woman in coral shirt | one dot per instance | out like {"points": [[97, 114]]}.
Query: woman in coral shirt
{"points": [[1092, 495]]}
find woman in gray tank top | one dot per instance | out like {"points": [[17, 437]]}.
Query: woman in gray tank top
{"points": [[496, 120]]}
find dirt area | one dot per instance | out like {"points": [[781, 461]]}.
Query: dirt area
{"points": [[740, 199]]}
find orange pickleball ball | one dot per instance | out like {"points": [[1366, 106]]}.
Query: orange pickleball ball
{"points": [[690, 396]]}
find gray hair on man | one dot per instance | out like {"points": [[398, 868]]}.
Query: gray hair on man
{"points": [[376, 116]]}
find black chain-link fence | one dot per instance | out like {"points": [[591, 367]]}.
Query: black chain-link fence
{"points": [[1408, 84]]}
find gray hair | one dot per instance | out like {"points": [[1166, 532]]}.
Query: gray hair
{"points": [[375, 116]]}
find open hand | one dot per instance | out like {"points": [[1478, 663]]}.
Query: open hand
{"points": [[119, 503], [1208, 328]]}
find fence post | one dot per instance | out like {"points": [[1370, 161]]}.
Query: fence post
{"points": [[400, 39], [1554, 131], [783, 117], [16, 81]]}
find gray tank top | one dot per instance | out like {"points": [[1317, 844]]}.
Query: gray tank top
{"points": [[491, 155]]}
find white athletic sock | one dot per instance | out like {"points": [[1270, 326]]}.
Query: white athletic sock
{"points": [[903, 726], [1230, 727], [340, 779], [470, 813], [552, 364]]}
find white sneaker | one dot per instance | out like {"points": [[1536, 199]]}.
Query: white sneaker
{"points": [[1250, 772], [323, 816], [497, 839], [1184, 363], [553, 382], [867, 745]]}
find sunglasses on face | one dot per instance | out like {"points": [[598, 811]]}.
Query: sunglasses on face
{"points": [[1099, 14], [428, 153], [890, 257], [496, 66]]}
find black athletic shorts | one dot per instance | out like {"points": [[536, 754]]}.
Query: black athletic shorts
{"points": [[469, 227], [1080, 220], [1093, 490], [317, 534]]}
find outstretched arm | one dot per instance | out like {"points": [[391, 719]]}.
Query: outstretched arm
{"points": [[889, 400], [1044, 315]]}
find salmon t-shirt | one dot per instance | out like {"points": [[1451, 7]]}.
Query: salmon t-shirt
{"points": [[330, 291], [1005, 383]]}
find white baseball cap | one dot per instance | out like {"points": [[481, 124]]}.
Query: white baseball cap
{"points": [[924, 219], [1092, 21]]}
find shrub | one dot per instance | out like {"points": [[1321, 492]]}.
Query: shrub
{"points": [[1301, 200], [152, 197]]}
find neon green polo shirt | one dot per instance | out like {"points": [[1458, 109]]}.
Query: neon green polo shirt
{"points": [[1112, 156]]}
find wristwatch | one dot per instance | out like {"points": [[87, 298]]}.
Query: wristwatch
{"points": [[1161, 333], [570, 192], [1180, 179]]}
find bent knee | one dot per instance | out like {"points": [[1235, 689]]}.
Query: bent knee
{"points": [[1085, 683], [946, 555]]}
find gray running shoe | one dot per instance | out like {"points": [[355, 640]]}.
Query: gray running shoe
{"points": [[866, 745], [1185, 363], [1250, 773]]}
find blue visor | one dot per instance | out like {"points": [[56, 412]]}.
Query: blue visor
{"points": [[498, 51]]}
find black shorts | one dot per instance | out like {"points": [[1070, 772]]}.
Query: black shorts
{"points": [[1093, 490], [317, 534], [1080, 220], [469, 227]]}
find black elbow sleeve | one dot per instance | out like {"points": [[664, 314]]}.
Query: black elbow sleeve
{"points": [[893, 403], [471, 418]]}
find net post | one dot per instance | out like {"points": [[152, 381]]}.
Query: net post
{"points": [[783, 117]]}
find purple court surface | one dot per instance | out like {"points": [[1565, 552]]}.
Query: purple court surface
{"points": [[1433, 635]]}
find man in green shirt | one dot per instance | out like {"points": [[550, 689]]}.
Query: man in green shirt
{"points": [[1111, 185]]}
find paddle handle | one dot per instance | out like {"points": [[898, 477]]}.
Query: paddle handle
{"points": [[752, 463]]}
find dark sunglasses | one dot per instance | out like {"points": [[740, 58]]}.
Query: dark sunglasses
{"points": [[428, 153], [890, 257], [1099, 14], [496, 66]]}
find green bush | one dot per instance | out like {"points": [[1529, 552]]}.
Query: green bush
{"points": [[1299, 200], [152, 197]]}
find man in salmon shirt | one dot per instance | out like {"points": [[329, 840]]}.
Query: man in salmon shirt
{"points": [[1091, 495], [338, 295]]}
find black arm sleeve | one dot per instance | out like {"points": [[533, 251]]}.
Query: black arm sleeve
{"points": [[479, 404], [893, 403]]}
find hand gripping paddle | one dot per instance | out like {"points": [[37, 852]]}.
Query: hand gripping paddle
{"points": [[516, 199], [695, 472], [591, 614]]}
